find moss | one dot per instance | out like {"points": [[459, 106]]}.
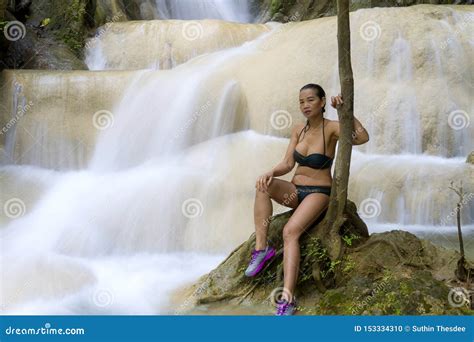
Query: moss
{"points": [[348, 265], [314, 252], [392, 294], [73, 34], [275, 7]]}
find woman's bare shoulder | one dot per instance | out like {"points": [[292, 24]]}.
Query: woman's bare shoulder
{"points": [[333, 126], [298, 127]]}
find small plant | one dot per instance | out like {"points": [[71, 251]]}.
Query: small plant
{"points": [[45, 22], [275, 7], [348, 239], [314, 252], [349, 265], [73, 36]]}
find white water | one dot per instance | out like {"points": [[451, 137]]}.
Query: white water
{"points": [[174, 110], [234, 10], [148, 216]]}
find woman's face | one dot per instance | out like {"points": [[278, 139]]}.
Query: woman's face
{"points": [[310, 103]]}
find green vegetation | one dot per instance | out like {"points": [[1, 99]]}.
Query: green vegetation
{"points": [[275, 7], [73, 35]]}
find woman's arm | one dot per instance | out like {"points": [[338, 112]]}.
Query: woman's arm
{"points": [[359, 133], [288, 162], [283, 167]]}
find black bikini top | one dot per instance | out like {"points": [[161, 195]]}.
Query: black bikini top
{"points": [[315, 160]]}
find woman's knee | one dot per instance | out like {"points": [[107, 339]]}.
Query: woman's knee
{"points": [[261, 193], [291, 232], [269, 191]]}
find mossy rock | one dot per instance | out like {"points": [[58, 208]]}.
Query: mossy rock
{"points": [[296, 10], [390, 273]]}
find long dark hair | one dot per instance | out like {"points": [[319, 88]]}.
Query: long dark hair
{"points": [[319, 91]]}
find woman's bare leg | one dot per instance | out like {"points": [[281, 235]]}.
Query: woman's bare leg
{"points": [[282, 192], [306, 213], [262, 209]]}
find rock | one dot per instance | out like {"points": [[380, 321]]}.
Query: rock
{"points": [[36, 52], [297, 10], [52, 34], [470, 158], [3, 7], [387, 273]]}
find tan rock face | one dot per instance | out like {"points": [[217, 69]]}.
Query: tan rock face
{"points": [[409, 68], [411, 94], [163, 44], [50, 115]]}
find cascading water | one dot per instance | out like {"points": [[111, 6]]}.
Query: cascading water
{"points": [[235, 10], [168, 189]]}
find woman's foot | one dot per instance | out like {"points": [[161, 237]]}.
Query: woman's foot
{"points": [[284, 308], [258, 260]]}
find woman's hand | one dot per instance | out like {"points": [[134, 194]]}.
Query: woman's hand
{"points": [[264, 181], [336, 101]]}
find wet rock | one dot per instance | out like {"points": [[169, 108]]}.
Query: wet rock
{"points": [[390, 273], [297, 10], [470, 158]]}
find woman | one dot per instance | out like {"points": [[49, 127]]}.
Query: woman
{"points": [[308, 192]]}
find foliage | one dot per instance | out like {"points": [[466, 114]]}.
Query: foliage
{"points": [[72, 35]]}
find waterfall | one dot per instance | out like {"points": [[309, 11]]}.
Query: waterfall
{"points": [[235, 10], [145, 168]]}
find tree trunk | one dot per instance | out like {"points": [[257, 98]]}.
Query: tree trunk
{"points": [[334, 217]]}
